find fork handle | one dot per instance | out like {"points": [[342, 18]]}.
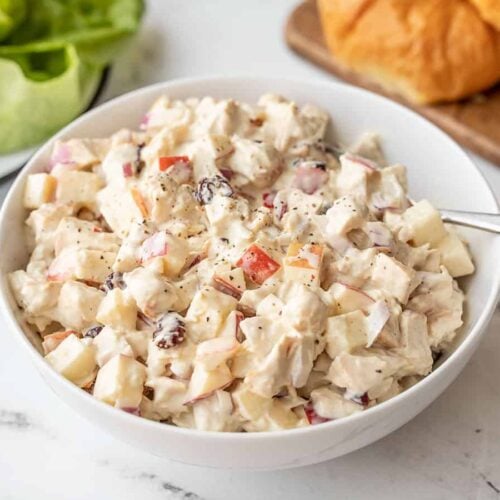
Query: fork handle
{"points": [[477, 220]]}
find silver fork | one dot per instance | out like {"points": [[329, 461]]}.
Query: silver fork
{"points": [[478, 220]]}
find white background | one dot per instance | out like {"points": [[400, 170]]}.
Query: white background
{"points": [[450, 451]]}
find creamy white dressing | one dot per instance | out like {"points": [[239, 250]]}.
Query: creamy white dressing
{"points": [[262, 278]]}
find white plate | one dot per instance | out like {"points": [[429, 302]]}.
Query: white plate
{"points": [[438, 169], [13, 161]]}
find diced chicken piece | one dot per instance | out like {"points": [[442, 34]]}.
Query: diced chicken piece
{"points": [[79, 188], [270, 306], [39, 189], [358, 374], [304, 310], [331, 405], [300, 360], [177, 360], [368, 147], [74, 360], [421, 258], [44, 221], [355, 267], [310, 176], [120, 163], [118, 310], [257, 164], [120, 382], [165, 113], [455, 256], [391, 190], [77, 305], [415, 344], [271, 374], [434, 293], [172, 252], [443, 324], [151, 291], [345, 215], [285, 123], [34, 296], [424, 224], [83, 234], [207, 313], [303, 263], [214, 413], [169, 396], [109, 343], [345, 333], [81, 264], [393, 277], [354, 174], [77, 153]]}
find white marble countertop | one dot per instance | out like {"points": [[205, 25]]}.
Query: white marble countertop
{"points": [[47, 451]]}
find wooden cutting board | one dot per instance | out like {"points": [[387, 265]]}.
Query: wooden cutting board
{"points": [[475, 122]]}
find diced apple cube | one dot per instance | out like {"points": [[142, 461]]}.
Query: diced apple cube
{"points": [[250, 406], [204, 382], [74, 360], [118, 310], [39, 189], [455, 256], [280, 416], [347, 298], [207, 313], [424, 224], [109, 343], [332, 405], [345, 333], [230, 282], [211, 353], [77, 187], [257, 265], [78, 304], [303, 263], [120, 382], [393, 277], [52, 340], [118, 209]]}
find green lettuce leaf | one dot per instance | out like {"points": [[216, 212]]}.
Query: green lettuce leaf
{"points": [[52, 55]]}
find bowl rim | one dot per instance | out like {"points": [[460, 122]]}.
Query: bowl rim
{"points": [[470, 340]]}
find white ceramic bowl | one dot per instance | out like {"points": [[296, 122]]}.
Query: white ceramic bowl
{"points": [[438, 170]]}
